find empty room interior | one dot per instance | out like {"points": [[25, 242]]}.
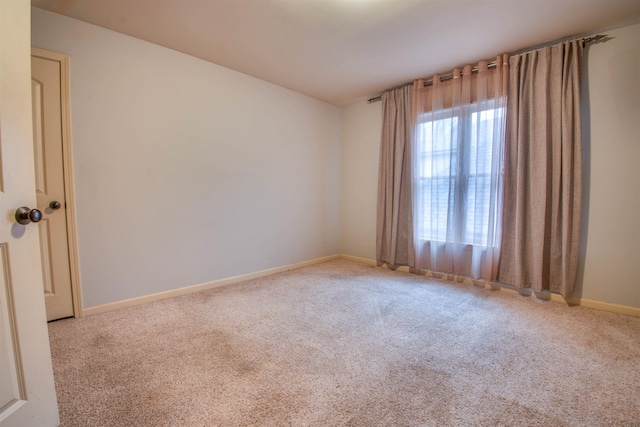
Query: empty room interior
{"points": [[258, 230]]}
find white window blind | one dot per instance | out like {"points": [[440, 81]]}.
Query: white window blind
{"points": [[455, 161]]}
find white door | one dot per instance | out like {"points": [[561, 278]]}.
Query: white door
{"points": [[27, 392], [50, 189]]}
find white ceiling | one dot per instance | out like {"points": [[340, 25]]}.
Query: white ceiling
{"points": [[343, 51]]}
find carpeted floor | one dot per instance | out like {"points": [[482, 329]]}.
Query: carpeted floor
{"points": [[342, 343]]}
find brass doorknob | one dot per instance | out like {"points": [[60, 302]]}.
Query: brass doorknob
{"points": [[24, 215], [55, 205]]}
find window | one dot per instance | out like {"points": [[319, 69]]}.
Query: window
{"points": [[454, 162]]}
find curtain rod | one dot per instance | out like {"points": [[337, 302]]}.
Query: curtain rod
{"points": [[492, 64]]}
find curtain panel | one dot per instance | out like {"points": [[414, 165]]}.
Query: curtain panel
{"points": [[394, 236], [458, 170], [526, 115], [543, 170]]}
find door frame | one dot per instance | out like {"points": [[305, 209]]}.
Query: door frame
{"points": [[67, 166]]}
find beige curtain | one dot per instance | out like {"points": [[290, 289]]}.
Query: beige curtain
{"points": [[394, 237], [543, 170], [458, 163]]}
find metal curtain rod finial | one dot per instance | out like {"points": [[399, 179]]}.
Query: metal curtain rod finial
{"points": [[449, 76], [593, 38]]}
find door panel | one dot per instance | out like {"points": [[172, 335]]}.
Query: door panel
{"points": [[12, 390], [27, 392], [49, 176]]}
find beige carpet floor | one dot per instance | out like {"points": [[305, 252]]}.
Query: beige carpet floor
{"points": [[346, 344]]}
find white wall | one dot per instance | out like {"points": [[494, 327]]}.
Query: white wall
{"points": [[186, 171], [611, 268], [610, 265], [361, 127]]}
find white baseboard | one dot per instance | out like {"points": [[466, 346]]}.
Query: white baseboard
{"points": [[582, 302], [599, 305], [90, 311], [358, 259], [98, 309], [368, 261]]}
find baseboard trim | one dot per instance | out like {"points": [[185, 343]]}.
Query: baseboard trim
{"points": [[358, 259], [598, 305], [104, 308], [369, 262], [582, 302]]}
